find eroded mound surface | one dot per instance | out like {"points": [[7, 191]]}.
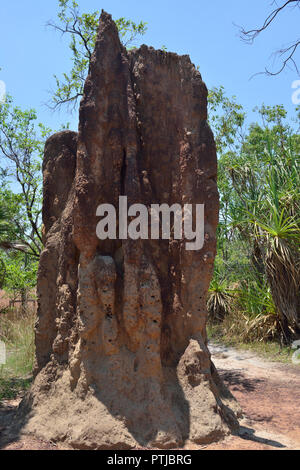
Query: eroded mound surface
{"points": [[121, 356]]}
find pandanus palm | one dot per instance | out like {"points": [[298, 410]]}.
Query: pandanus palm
{"points": [[266, 213], [277, 230]]}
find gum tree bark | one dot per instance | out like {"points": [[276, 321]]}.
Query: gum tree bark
{"points": [[121, 346]]}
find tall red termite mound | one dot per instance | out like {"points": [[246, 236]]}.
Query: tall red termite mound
{"points": [[121, 355]]}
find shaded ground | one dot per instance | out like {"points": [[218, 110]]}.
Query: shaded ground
{"points": [[268, 392], [269, 395]]}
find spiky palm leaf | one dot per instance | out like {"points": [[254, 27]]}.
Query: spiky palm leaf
{"points": [[219, 300], [281, 258]]}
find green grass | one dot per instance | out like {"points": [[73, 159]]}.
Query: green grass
{"points": [[11, 388], [17, 331]]}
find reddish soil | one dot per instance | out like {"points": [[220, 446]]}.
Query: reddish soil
{"points": [[268, 392], [269, 395]]}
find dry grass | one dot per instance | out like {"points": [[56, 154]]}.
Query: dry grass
{"points": [[282, 268], [17, 332], [239, 331]]}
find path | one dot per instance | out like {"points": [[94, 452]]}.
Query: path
{"points": [[269, 395]]}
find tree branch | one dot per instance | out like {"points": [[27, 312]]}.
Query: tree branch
{"points": [[249, 36]]}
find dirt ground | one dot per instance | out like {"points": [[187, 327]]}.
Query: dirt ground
{"points": [[269, 395], [268, 392]]}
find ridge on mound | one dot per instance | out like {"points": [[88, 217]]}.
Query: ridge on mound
{"points": [[121, 355]]}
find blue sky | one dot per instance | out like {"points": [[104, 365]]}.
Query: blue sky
{"points": [[31, 53]]}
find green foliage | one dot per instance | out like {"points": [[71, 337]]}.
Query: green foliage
{"points": [[4, 225], [254, 298], [259, 215], [82, 29], [219, 298], [227, 118], [22, 142], [129, 31], [21, 272]]}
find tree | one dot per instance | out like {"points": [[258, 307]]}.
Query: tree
{"points": [[21, 149], [22, 141], [82, 28], [288, 53], [3, 222], [3, 232], [20, 275], [260, 206], [276, 227]]}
